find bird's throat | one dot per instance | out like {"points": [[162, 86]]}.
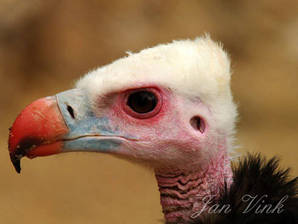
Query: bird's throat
{"points": [[186, 196]]}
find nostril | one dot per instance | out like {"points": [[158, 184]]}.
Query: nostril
{"points": [[70, 111], [198, 124]]}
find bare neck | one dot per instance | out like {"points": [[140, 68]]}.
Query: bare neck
{"points": [[183, 195]]}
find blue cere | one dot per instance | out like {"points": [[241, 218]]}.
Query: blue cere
{"points": [[81, 121]]}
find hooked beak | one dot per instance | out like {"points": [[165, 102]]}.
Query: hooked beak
{"points": [[36, 131], [60, 123]]}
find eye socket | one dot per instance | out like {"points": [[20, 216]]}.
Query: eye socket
{"points": [[142, 101]]}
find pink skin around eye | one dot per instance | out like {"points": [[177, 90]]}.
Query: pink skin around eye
{"points": [[168, 120], [168, 131], [124, 112]]}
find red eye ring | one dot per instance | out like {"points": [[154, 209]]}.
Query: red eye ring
{"points": [[152, 92]]}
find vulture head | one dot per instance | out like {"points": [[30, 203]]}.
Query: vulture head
{"points": [[169, 107]]}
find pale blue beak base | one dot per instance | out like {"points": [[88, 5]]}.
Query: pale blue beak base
{"points": [[86, 131]]}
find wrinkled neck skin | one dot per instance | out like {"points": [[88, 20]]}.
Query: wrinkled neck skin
{"points": [[185, 195]]}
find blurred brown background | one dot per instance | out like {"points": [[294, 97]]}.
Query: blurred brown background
{"points": [[46, 45]]}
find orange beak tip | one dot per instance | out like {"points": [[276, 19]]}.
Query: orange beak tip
{"points": [[36, 131]]}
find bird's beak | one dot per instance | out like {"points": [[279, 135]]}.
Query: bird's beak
{"points": [[60, 123]]}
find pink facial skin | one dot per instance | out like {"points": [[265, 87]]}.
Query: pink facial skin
{"points": [[188, 163], [165, 139]]}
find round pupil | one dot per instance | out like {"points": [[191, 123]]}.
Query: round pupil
{"points": [[142, 101]]}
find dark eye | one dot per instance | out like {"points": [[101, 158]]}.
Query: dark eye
{"points": [[142, 101]]}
